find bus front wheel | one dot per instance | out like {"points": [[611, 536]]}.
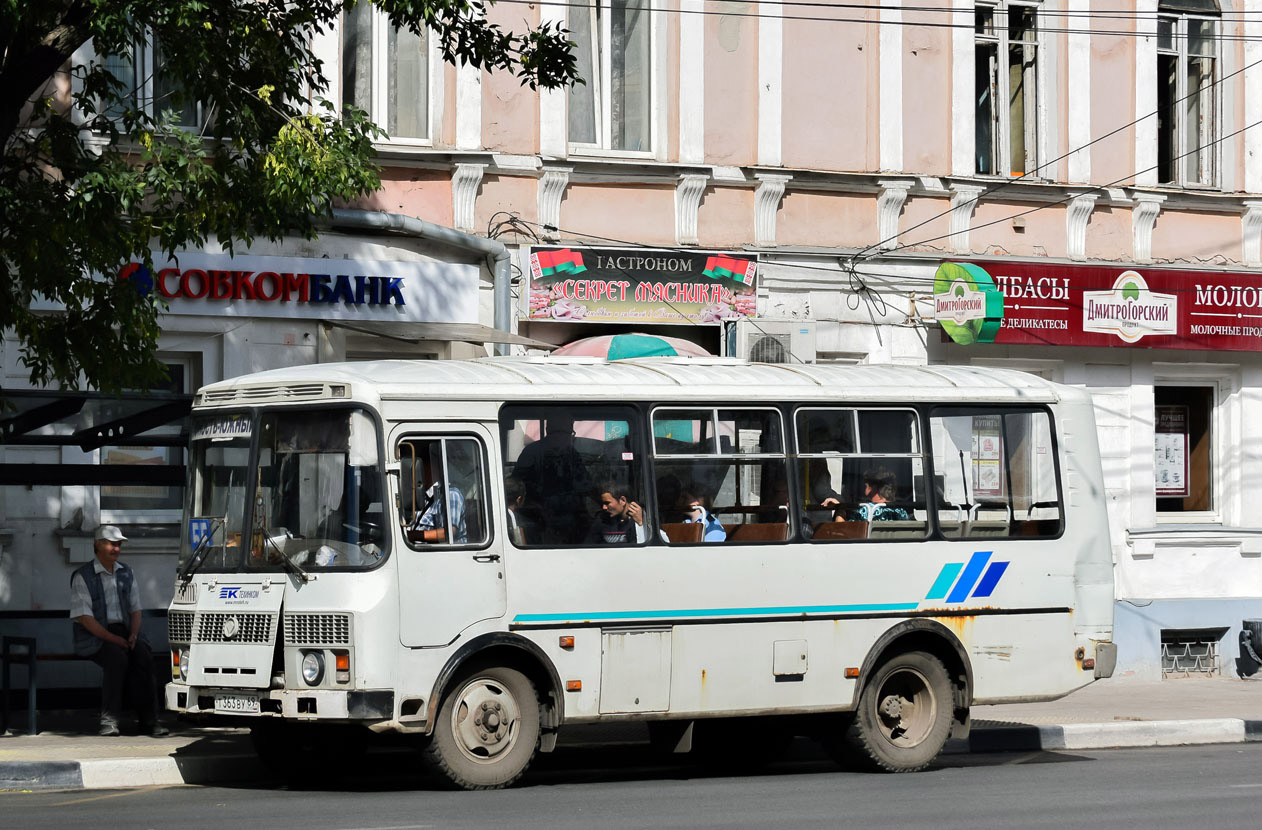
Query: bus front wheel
{"points": [[487, 731], [904, 715]]}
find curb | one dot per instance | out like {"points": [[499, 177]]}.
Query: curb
{"points": [[1113, 735], [172, 770], [114, 773]]}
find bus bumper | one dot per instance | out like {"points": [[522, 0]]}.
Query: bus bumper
{"points": [[298, 704], [1105, 659]]}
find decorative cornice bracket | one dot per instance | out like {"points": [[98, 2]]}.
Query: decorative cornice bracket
{"points": [[1143, 218], [1077, 215], [551, 190], [964, 199], [889, 205], [465, 181], [1251, 233], [766, 204], [688, 194]]}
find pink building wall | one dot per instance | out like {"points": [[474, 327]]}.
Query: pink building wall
{"points": [[828, 117], [830, 94], [1112, 102], [926, 99], [731, 85]]}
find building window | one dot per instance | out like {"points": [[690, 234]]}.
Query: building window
{"points": [[149, 503], [1187, 92], [386, 73], [1006, 89], [613, 44], [146, 84], [1182, 448]]}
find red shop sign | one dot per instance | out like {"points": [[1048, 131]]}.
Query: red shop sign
{"points": [[1152, 308]]}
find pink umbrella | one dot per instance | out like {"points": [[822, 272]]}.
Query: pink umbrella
{"points": [[621, 346]]}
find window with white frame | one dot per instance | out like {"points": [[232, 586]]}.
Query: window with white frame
{"points": [[1007, 79], [386, 73], [1187, 92], [146, 84], [1183, 449], [613, 44]]}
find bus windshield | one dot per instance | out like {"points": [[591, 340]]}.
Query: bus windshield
{"points": [[318, 491], [219, 462]]}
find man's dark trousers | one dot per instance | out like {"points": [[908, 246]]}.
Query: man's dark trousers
{"points": [[127, 669]]}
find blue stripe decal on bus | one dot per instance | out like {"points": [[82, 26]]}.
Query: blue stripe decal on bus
{"points": [[972, 571], [717, 612], [991, 579], [945, 580]]}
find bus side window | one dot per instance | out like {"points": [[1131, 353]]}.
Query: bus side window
{"points": [[997, 473], [722, 469], [861, 473], [442, 491], [573, 475]]}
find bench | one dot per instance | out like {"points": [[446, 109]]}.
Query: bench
{"points": [[28, 656]]}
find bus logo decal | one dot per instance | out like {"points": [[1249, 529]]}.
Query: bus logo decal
{"points": [[957, 581]]}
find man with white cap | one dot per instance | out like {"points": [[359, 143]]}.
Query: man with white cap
{"points": [[105, 607]]}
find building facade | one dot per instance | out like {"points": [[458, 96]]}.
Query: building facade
{"points": [[837, 156]]}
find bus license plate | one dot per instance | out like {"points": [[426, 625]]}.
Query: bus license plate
{"points": [[237, 704]]}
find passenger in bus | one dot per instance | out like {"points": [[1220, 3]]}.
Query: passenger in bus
{"points": [[695, 512], [879, 488], [621, 520], [522, 526], [433, 521], [819, 484], [557, 481]]}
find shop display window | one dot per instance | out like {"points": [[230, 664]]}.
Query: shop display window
{"points": [[1183, 449]]}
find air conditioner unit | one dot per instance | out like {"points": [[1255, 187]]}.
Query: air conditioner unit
{"points": [[775, 341]]}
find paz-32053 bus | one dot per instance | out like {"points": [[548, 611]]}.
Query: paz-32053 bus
{"points": [[482, 553]]}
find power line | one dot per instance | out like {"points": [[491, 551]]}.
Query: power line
{"points": [[996, 188], [1090, 189], [1120, 14], [1174, 35], [841, 270]]}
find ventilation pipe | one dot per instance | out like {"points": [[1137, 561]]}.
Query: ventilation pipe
{"points": [[498, 259]]}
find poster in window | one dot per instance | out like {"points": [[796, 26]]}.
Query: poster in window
{"points": [[987, 454], [1170, 452]]}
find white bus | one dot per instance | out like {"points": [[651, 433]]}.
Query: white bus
{"points": [[482, 553]]}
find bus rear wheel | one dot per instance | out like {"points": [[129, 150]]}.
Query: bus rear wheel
{"points": [[487, 731], [904, 715]]}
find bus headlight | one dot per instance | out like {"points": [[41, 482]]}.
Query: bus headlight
{"points": [[312, 667], [184, 663]]}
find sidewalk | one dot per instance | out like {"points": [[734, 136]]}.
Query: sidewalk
{"points": [[1111, 713]]}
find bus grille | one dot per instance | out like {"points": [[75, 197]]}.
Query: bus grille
{"points": [[180, 626], [318, 629], [251, 628]]}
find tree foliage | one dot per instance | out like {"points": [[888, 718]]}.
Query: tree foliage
{"points": [[94, 176]]}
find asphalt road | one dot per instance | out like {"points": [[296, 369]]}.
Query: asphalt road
{"points": [[1153, 789]]}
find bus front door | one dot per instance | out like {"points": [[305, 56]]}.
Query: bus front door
{"points": [[451, 571]]}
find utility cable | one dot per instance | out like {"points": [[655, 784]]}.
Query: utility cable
{"points": [[1000, 186], [920, 24]]}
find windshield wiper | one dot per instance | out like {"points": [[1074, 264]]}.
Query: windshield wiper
{"points": [[289, 564], [198, 555]]}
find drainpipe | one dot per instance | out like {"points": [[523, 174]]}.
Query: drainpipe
{"points": [[498, 259]]}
